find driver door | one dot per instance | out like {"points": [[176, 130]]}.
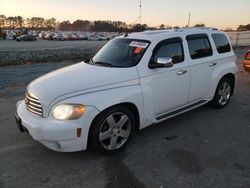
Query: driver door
{"points": [[166, 89]]}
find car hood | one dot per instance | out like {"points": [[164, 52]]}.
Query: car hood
{"points": [[79, 79]]}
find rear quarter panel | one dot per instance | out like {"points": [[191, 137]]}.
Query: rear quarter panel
{"points": [[225, 65]]}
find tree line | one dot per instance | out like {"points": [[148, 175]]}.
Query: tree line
{"points": [[51, 24], [39, 23], [244, 27], [18, 22]]}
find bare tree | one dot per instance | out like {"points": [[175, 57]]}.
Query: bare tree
{"points": [[36, 23], [19, 21], [50, 24], [11, 22], [65, 26], [81, 25], [200, 25], [2, 21], [162, 26]]}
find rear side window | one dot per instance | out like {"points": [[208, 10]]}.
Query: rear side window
{"points": [[172, 50], [199, 46], [221, 43]]}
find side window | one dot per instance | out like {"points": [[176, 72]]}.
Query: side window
{"points": [[199, 47], [173, 50], [221, 43]]}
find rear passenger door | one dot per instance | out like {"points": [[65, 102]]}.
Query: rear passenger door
{"points": [[201, 63]]}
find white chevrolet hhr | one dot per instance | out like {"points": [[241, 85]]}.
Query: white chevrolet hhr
{"points": [[134, 81]]}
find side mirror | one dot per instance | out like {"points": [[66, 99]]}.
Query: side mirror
{"points": [[162, 62]]}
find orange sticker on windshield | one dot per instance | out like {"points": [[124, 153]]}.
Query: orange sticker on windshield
{"points": [[138, 50]]}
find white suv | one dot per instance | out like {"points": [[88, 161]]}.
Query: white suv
{"points": [[134, 81]]}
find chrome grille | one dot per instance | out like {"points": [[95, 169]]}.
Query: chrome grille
{"points": [[33, 104]]}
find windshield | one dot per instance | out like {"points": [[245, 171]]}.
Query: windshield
{"points": [[121, 52]]}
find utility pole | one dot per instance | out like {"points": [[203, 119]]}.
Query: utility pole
{"points": [[139, 17], [140, 6], [189, 17]]}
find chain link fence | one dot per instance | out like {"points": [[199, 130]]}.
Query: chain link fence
{"points": [[239, 39]]}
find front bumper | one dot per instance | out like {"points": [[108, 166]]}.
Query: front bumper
{"points": [[19, 124], [56, 135]]}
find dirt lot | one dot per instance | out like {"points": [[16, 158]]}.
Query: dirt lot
{"points": [[201, 148]]}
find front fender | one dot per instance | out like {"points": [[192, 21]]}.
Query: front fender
{"points": [[104, 99]]}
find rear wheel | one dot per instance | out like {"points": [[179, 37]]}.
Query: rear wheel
{"points": [[112, 130], [223, 93]]}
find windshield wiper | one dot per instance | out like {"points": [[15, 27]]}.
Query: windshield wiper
{"points": [[103, 63], [100, 63], [91, 62]]}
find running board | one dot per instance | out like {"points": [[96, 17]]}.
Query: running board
{"points": [[164, 116]]}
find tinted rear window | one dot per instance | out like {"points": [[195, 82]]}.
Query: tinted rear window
{"points": [[221, 43], [199, 47]]}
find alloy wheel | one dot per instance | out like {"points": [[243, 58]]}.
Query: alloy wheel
{"points": [[224, 93], [115, 131]]}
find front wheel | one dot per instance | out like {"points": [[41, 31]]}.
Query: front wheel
{"points": [[223, 93], [112, 130]]}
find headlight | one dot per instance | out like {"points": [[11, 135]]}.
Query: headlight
{"points": [[68, 111]]}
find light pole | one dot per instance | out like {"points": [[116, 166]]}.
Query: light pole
{"points": [[189, 17], [140, 6]]}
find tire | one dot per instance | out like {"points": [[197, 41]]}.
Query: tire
{"points": [[112, 130], [223, 93]]}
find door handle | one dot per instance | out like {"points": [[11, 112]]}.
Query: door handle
{"points": [[181, 72], [212, 64]]}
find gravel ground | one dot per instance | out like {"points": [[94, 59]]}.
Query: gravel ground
{"points": [[201, 148], [11, 45], [17, 53]]}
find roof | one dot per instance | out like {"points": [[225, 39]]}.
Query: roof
{"points": [[155, 35]]}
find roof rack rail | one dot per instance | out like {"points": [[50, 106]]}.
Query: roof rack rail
{"points": [[157, 30], [188, 28], [211, 28]]}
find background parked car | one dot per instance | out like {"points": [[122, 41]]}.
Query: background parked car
{"points": [[83, 36], [60, 36], [10, 36], [103, 37], [246, 61], [27, 37], [51, 35], [93, 37], [42, 35]]}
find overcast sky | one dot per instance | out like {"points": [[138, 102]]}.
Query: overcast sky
{"points": [[214, 13]]}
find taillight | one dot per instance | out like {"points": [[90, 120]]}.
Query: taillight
{"points": [[247, 55]]}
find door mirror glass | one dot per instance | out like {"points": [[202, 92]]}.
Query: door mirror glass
{"points": [[162, 62], [166, 61]]}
